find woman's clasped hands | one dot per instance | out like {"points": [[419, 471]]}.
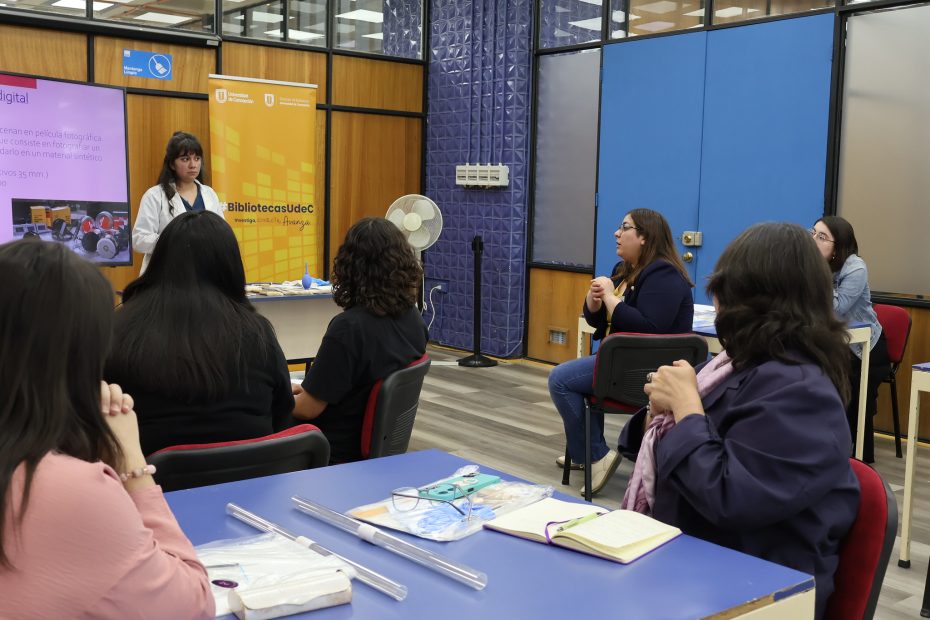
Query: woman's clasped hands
{"points": [[674, 388]]}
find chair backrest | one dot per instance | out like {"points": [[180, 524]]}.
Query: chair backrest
{"points": [[896, 323], [391, 410], [195, 465], [865, 551], [624, 360]]}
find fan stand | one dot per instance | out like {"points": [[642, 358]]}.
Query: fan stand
{"points": [[476, 360]]}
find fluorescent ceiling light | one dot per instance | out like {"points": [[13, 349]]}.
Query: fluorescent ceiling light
{"points": [[655, 26], [81, 5], [375, 35], [274, 33], [594, 2], [363, 15], [730, 11], [562, 9], [162, 18], [587, 24], [617, 34], [661, 7], [562, 33], [265, 18], [698, 13], [300, 35]]}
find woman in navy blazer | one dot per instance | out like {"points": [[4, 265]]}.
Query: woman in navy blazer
{"points": [[761, 463], [648, 293]]}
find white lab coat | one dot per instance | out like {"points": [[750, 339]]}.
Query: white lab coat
{"points": [[154, 215]]}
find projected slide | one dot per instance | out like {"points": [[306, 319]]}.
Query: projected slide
{"points": [[63, 176]]}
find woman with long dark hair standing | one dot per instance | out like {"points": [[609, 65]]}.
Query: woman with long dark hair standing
{"points": [[852, 302], [201, 363], [375, 278], [180, 189], [86, 533], [649, 292]]}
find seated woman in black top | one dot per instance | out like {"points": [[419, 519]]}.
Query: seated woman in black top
{"points": [[201, 363], [375, 278]]}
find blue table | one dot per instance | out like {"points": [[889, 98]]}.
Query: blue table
{"points": [[686, 578]]}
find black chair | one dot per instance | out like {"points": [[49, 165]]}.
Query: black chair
{"points": [[622, 363], [195, 465], [392, 409]]}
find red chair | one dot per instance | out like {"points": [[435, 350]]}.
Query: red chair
{"points": [[195, 465], [865, 551], [622, 363], [896, 324], [392, 409]]}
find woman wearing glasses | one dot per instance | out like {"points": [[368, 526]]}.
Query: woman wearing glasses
{"points": [[852, 301], [649, 292]]}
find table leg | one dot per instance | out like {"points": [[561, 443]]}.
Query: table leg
{"points": [[863, 389], [909, 462]]}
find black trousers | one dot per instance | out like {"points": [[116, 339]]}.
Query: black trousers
{"points": [[879, 368]]}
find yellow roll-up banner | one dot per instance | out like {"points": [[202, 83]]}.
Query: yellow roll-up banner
{"points": [[263, 162]]}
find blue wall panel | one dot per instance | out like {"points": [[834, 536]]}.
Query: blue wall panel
{"points": [[652, 98], [766, 110]]}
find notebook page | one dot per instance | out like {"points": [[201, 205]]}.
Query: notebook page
{"points": [[619, 529], [533, 518]]}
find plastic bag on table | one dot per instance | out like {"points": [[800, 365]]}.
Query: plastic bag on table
{"points": [[451, 515]]}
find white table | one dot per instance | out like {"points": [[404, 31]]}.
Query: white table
{"points": [[920, 382], [300, 321], [703, 325]]}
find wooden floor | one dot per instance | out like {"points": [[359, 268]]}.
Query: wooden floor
{"points": [[502, 417]]}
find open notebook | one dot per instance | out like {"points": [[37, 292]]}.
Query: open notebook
{"points": [[618, 535]]}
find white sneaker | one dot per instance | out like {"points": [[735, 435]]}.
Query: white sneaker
{"points": [[561, 463], [602, 470]]}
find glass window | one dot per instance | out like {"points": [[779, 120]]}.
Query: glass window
{"points": [[306, 22], [196, 15], [652, 16], [255, 20], [730, 11], [566, 158], [569, 22], [74, 8], [389, 27]]}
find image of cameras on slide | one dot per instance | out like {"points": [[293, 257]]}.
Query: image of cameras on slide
{"points": [[97, 231]]}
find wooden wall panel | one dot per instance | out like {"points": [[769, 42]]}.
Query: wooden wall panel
{"points": [[366, 83], [191, 65], [917, 352], [151, 122], [375, 160], [274, 63], [555, 303], [43, 52], [320, 185]]}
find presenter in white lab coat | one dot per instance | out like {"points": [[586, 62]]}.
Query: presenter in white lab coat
{"points": [[178, 191]]}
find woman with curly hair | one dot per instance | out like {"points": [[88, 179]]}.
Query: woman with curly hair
{"points": [[375, 279]]}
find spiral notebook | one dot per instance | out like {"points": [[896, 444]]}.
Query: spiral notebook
{"points": [[617, 535]]}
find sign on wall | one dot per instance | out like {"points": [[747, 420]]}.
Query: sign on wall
{"points": [[152, 65], [263, 158]]}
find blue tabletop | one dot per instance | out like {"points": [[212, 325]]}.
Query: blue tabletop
{"points": [[686, 578], [924, 367], [705, 327]]}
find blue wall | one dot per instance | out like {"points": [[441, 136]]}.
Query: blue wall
{"points": [[468, 101]]}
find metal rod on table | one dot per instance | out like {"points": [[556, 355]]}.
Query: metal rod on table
{"points": [[433, 561], [370, 578]]}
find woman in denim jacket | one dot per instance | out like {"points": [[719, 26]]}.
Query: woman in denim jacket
{"points": [[852, 301]]}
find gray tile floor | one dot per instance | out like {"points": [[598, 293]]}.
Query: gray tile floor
{"points": [[503, 417]]}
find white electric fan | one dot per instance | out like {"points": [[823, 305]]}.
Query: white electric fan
{"points": [[418, 218]]}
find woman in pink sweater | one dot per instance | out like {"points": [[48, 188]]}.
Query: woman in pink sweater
{"points": [[86, 532]]}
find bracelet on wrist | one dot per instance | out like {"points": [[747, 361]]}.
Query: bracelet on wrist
{"points": [[148, 470]]}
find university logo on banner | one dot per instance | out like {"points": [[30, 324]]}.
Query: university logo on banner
{"points": [[263, 161]]}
